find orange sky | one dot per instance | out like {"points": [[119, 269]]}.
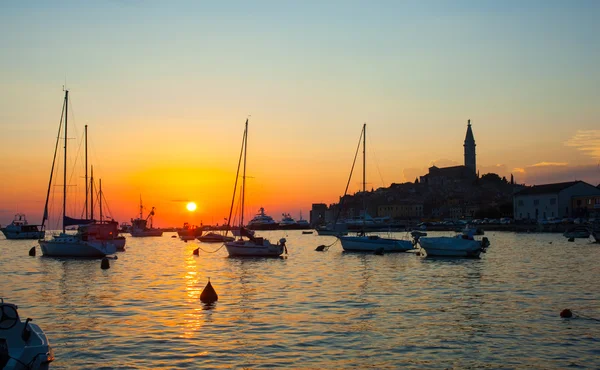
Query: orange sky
{"points": [[165, 92]]}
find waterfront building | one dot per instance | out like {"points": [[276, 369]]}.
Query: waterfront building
{"points": [[401, 211], [542, 202]]}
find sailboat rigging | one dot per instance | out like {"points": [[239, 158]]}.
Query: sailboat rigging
{"points": [[64, 244], [370, 243], [253, 246]]}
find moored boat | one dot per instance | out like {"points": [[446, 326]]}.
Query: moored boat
{"points": [[189, 232], [461, 245], [252, 246], [19, 228], [262, 221], [23, 345], [65, 244], [363, 242], [139, 226]]}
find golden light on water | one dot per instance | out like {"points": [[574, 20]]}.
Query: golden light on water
{"points": [[191, 206]]}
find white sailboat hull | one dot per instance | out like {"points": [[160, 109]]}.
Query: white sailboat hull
{"points": [[71, 246], [445, 246], [247, 248], [374, 243]]}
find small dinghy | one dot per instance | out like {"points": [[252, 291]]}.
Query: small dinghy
{"points": [[23, 345]]}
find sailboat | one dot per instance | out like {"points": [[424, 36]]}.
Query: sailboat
{"points": [[252, 246], [371, 243], [103, 229], [63, 244], [139, 226]]}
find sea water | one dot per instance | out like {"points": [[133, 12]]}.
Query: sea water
{"points": [[314, 309]]}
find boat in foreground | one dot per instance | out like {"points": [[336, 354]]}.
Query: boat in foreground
{"points": [[19, 228], [23, 345], [252, 246], [461, 245]]}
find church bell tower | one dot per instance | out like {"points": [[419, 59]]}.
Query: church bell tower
{"points": [[470, 149]]}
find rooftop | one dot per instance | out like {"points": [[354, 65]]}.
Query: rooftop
{"points": [[547, 188]]}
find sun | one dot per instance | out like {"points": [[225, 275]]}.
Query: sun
{"points": [[191, 206]]}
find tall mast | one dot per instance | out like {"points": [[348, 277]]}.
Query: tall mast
{"points": [[364, 173], [65, 164], [100, 200], [86, 174], [92, 194], [244, 174], [141, 208]]}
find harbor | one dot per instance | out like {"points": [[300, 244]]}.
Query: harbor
{"points": [[312, 309]]}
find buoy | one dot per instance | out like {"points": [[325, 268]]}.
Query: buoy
{"points": [[566, 313], [379, 251], [104, 264], [320, 248], [196, 252], [173, 236], [32, 252], [209, 295], [571, 239]]}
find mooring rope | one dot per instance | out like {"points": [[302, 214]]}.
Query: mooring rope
{"points": [[216, 250]]}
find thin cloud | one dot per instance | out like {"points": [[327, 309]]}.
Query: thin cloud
{"points": [[587, 141], [550, 164], [518, 170]]}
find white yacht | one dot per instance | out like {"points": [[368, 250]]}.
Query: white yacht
{"points": [[262, 221], [287, 222], [19, 228]]}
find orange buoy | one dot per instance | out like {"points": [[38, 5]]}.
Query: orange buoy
{"points": [[209, 295]]}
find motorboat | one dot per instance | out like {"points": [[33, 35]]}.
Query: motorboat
{"points": [[65, 244], [139, 226], [19, 228], [262, 221], [23, 345], [248, 244], [213, 237], [189, 232], [460, 245]]}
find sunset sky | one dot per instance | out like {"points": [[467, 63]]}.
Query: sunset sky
{"points": [[166, 87]]}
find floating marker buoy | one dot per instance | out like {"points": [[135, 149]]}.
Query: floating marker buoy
{"points": [[32, 252], [379, 251], [104, 264], [209, 295], [566, 313], [196, 252], [320, 248], [571, 239]]}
